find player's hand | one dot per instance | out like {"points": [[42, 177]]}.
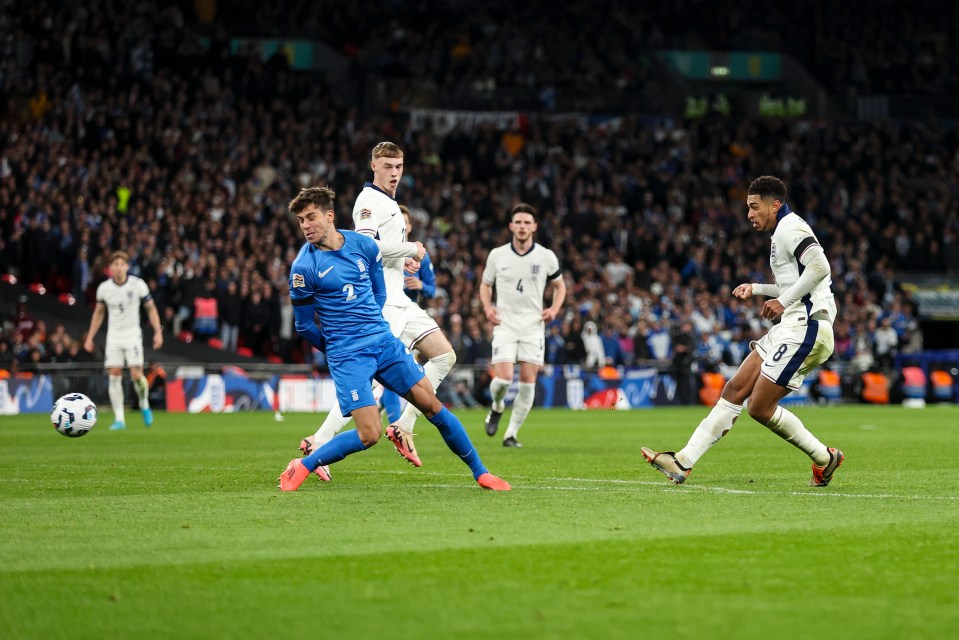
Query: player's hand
{"points": [[420, 251], [88, 345], [157, 340], [772, 309], [409, 282], [492, 314], [548, 315], [411, 266], [743, 291]]}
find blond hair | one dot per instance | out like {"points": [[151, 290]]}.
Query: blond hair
{"points": [[387, 150]]}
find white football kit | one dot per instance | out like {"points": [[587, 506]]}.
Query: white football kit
{"points": [[124, 337], [520, 281], [803, 339], [377, 215]]}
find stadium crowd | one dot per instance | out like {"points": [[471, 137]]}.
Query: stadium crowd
{"points": [[139, 138], [886, 46]]}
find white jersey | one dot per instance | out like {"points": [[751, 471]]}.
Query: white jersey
{"points": [[520, 282], [792, 237], [376, 214], [123, 308]]}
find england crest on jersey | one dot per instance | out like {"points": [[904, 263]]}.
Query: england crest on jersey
{"points": [[534, 270]]}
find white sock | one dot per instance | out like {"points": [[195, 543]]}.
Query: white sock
{"points": [[498, 387], [115, 391], [790, 428], [378, 390], [521, 406], [334, 422], [436, 370], [143, 392], [713, 427]]}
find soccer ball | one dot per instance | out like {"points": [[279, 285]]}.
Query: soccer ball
{"points": [[74, 415]]}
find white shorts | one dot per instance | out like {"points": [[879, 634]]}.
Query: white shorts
{"points": [[507, 347], [791, 351], [123, 354], [410, 324]]}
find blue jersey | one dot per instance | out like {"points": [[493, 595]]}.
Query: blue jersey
{"points": [[345, 288]]}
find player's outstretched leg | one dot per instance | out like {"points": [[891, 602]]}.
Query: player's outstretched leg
{"points": [[335, 450], [459, 443], [678, 465]]}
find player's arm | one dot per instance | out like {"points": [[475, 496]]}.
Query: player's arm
{"points": [[305, 323], [99, 312], [816, 269], [377, 282], [364, 221], [153, 315], [304, 317], [558, 286], [749, 289], [486, 297], [486, 289]]}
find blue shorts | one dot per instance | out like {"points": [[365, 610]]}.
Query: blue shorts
{"points": [[387, 361]]}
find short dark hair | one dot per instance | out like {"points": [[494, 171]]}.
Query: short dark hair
{"points": [[404, 210], [522, 207], [768, 187], [321, 197]]}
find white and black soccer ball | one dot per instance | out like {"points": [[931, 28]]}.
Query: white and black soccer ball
{"points": [[74, 415]]}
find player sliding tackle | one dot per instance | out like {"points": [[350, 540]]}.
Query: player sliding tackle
{"points": [[780, 360], [338, 275]]}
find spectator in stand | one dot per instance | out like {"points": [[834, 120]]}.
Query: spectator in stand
{"points": [[611, 346], [595, 354], [460, 341], [574, 348], [230, 305], [555, 345], [684, 356], [886, 343], [23, 321], [256, 322]]}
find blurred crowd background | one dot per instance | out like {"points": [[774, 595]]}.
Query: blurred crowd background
{"points": [[137, 126]]}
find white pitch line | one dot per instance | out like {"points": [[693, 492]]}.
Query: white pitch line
{"points": [[620, 484]]}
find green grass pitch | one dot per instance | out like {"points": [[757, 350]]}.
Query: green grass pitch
{"points": [[179, 532]]}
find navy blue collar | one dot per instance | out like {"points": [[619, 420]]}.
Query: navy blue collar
{"points": [[373, 186], [513, 247], [784, 211]]}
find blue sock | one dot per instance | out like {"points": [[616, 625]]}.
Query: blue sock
{"points": [[456, 439], [391, 402], [342, 445]]}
